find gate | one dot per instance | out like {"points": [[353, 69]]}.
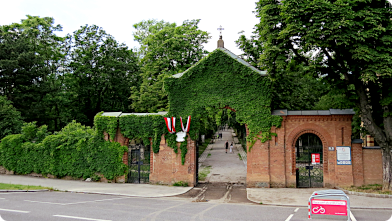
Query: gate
{"points": [[307, 174], [139, 163]]}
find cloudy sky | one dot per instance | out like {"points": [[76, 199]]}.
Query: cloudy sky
{"points": [[118, 16]]}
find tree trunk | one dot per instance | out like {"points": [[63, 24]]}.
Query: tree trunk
{"points": [[387, 167]]}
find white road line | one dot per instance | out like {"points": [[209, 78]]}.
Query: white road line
{"points": [[93, 201], [16, 211], [83, 218], [390, 219], [352, 217], [2, 198], [296, 210], [288, 218], [32, 201]]}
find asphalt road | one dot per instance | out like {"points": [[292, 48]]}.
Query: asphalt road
{"points": [[76, 206]]}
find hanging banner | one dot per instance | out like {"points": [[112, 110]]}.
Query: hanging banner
{"points": [[343, 155], [188, 125]]}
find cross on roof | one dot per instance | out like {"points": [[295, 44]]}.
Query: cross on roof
{"points": [[220, 29]]}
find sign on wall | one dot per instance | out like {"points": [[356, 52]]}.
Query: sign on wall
{"points": [[315, 158], [343, 155]]}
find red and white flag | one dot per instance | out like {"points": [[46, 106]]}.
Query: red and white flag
{"points": [[188, 124]]}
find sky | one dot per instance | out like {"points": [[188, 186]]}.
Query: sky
{"points": [[116, 17]]}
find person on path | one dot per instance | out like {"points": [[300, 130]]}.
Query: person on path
{"points": [[231, 147], [227, 145], [220, 135]]}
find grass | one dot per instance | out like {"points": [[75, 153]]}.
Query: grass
{"points": [[180, 183], [203, 173], [239, 155], [7, 186], [204, 146], [370, 188]]}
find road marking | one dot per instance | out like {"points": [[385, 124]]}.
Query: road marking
{"points": [[352, 217], [1, 219], [32, 201], [390, 219], [93, 201], [288, 218], [83, 218], [296, 210], [2, 198], [16, 211]]}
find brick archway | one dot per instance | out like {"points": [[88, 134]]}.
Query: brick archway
{"points": [[323, 141]]}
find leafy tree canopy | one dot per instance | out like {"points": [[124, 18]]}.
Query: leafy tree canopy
{"points": [[348, 42], [10, 119]]}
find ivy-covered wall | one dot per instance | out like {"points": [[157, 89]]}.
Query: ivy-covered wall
{"points": [[75, 151], [217, 81]]}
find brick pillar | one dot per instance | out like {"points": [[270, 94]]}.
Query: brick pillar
{"points": [[258, 164], [277, 159], [357, 162]]}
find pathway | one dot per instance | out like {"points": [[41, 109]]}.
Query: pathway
{"points": [[225, 167]]}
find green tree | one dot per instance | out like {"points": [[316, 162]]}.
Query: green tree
{"points": [[349, 43], [10, 119], [168, 50], [30, 53], [100, 73]]}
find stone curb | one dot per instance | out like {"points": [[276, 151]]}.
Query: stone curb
{"points": [[365, 194], [303, 206], [43, 190]]}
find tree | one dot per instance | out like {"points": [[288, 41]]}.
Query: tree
{"points": [[10, 119], [100, 73], [30, 53], [168, 50], [348, 42]]}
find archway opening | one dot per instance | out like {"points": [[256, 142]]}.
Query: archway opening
{"points": [[138, 161], [309, 161]]}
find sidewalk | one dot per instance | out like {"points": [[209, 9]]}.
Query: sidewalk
{"points": [[299, 197], [126, 189], [225, 167]]}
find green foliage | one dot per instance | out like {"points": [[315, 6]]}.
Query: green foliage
{"points": [[75, 151], [218, 81], [106, 124], [167, 49], [143, 127], [103, 71], [180, 183], [10, 119]]}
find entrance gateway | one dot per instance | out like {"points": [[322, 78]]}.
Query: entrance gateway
{"points": [[278, 162]]}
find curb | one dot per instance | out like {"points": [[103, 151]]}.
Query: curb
{"points": [[4, 191], [365, 194], [305, 206]]}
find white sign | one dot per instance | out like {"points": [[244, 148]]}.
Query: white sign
{"points": [[181, 136], [343, 155]]}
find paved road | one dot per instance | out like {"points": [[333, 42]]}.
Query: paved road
{"points": [[47, 206]]}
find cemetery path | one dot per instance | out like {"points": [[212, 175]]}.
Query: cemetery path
{"points": [[225, 167]]}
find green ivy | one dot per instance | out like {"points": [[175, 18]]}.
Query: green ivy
{"points": [[143, 127], [76, 151], [106, 124], [217, 81]]}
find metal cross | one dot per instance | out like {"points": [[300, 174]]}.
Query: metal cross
{"points": [[220, 29]]}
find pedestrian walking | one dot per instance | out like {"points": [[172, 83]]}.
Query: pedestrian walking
{"points": [[227, 145], [220, 136], [231, 147]]}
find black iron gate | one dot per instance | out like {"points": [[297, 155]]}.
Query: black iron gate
{"points": [[139, 163], [308, 174]]}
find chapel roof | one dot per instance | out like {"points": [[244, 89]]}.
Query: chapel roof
{"points": [[232, 55]]}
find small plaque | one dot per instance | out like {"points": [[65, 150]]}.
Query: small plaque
{"points": [[331, 148]]}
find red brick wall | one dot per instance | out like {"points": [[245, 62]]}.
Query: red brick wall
{"points": [[372, 166], [167, 167]]}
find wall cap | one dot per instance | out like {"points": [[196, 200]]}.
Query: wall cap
{"points": [[356, 141]]}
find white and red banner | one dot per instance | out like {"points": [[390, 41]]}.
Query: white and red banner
{"points": [[188, 123], [171, 124], [329, 207]]}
